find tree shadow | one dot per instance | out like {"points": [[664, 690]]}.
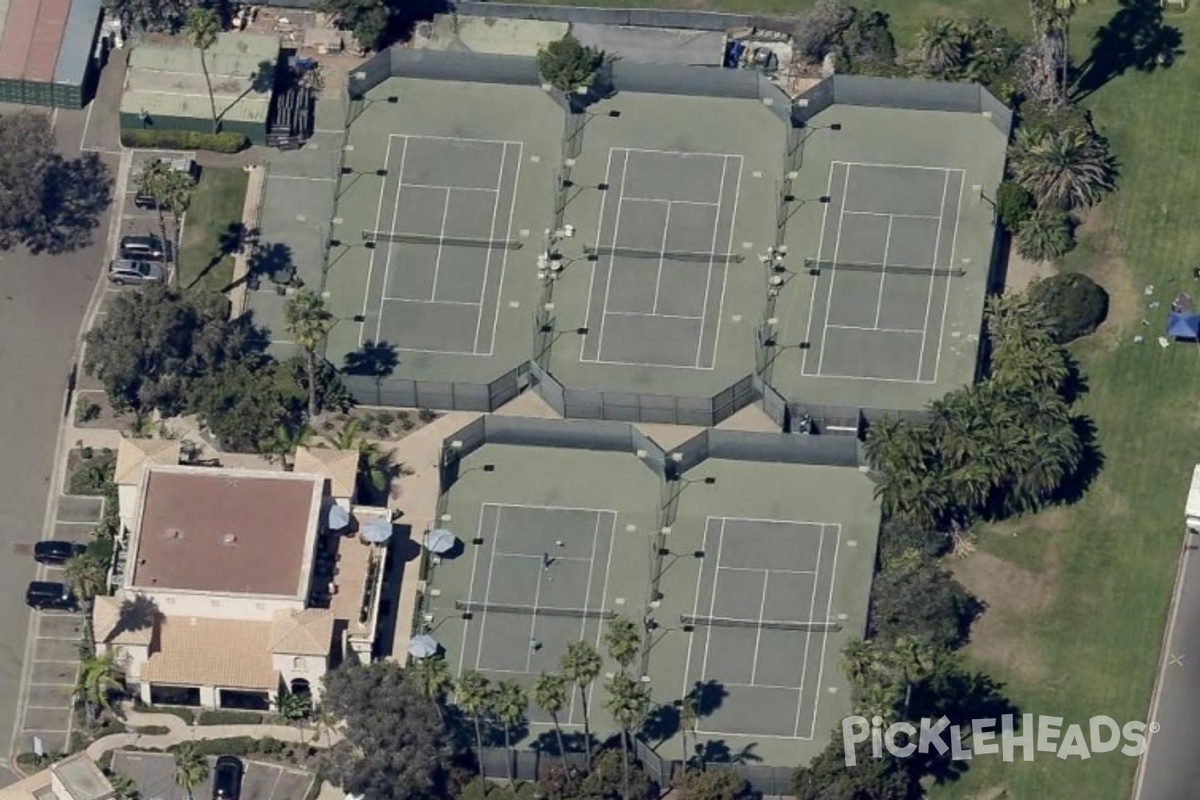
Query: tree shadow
{"points": [[405, 16], [230, 242], [663, 722], [1091, 463], [271, 261], [1136, 38], [376, 360], [706, 697], [718, 751], [75, 193], [136, 613], [262, 81], [960, 697]]}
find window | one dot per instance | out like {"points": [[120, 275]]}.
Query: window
{"points": [[298, 663]]}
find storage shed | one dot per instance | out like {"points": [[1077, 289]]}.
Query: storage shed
{"points": [[165, 87], [48, 51]]}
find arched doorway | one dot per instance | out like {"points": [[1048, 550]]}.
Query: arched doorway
{"points": [[300, 687]]}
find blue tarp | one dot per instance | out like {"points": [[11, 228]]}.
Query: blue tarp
{"points": [[1183, 325]]}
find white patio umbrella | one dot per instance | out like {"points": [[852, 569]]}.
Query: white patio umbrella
{"points": [[338, 518], [439, 540], [423, 646], [377, 531]]}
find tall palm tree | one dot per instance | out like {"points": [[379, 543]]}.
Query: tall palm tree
{"points": [[287, 440], [191, 768], [433, 679], [473, 694], [201, 28], [941, 48], [509, 704], [171, 190], [86, 576], [913, 661], [627, 703], [1064, 11], [1047, 52], [308, 321], [580, 664], [100, 679], [688, 718], [550, 695], [1045, 235], [623, 641], [1069, 167]]}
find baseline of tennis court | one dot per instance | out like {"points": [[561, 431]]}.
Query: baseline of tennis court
{"points": [[759, 624], [539, 581], [441, 242], [660, 258], [882, 272]]}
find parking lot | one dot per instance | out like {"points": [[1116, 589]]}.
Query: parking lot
{"points": [[154, 774], [45, 709]]}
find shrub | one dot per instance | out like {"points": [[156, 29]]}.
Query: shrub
{"points": [[93, 476], [230, 746], [1076, 303], [85, 410], [225, 142], [1047, 235], [1014, 205], [226, 717], [152, 730], [821, 29], [869, 47], [426, 414]]}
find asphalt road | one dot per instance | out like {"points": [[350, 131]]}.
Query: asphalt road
{"points": [[42, 304], [1170, 768]]}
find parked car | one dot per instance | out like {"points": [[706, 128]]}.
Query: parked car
{"points": [[144, 202], [227, 778], [56, 552], [143, 248], [124, 271], [46, 594]]}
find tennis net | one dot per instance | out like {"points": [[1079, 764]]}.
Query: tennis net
{"points": [[667, 255], [768, 624], [476, 606], [430, 238], [816, 267]]}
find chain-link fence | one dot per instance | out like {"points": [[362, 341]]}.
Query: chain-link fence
{"points": [[628, 17], [446, 395]]}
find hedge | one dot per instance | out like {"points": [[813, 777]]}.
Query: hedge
{"points": [[234, 746], [225, 142], [226, 717]]}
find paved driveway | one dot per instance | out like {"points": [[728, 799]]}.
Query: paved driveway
{"points": [[154, 774]]}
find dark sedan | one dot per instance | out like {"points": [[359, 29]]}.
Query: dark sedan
{"points": [[56, 552]]}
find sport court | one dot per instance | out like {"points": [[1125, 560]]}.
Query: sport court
{"points": [[759, 624], [660, 258], [882, 272], [441, 243]]}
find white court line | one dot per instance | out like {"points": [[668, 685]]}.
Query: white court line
{"points": [[608, 281], [662, 254], [895, 166], [431, 303], [812, 601], [301, 178], [448, 138], [776, 521], [403, 349], [712, 605], [487, 262], [612, 545], [512, 208], [712, 257], [887, 245], [643, 314], [587, 598], [707, 732], [884, 214], [539, 555], [537, 596], [929, 296], [913, 331], [812, 298], [761, 686], [837, 246], [737, 198], [408, 185], [371, 264], [762, 610], [487, 592], [768, 569], [837, 548], [437, 262], [687, 664], [587, 312], [679, 153], [462, 650], [675, 202], [840, 376], [553, 508], [953, 254]]}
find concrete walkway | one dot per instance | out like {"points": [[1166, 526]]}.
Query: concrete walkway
{"points": [[180, 732]]}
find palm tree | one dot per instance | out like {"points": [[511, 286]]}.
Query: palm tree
{"points": [[191, 769], [287, 440], [509, 704], [580, 664], [100, 679], [623, 641], [550, 695], [432, 678], [941, 48], [295, 708], [201, 29], [123, 786], [687, 725], [86, 576], [1069, 167], [913, 660], [171, 190], [473, 693], [1046, 53], [1045, 235], [1064, 11], [627, 702], [308, 321]]}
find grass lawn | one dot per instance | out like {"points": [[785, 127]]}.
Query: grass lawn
{"points": [[216, 205]]}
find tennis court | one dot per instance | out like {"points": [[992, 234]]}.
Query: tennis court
{"points": [[440, 243], [759, 624], [660, 258], [881, 276], [539, 581]]}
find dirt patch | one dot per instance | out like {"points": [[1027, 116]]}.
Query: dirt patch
{"points": [[1014, 596], [1126, 300], [1021, 272], [1051, 520]]}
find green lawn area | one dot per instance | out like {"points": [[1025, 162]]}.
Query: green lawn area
{"points": [[216, 205]]}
